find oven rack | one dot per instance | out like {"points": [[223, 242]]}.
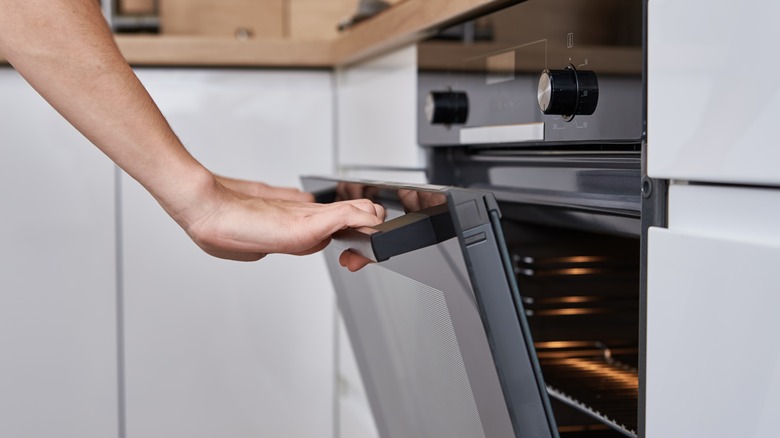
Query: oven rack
{"points": [[603, 390]]}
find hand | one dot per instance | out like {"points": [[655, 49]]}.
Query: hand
{"points": [[412, 200], [353, 261], [236, 226], [265, 191], [354, 190], [415, 200], [348, 191]]}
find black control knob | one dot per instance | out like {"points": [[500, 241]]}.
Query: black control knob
{"points": [[447, 107], [568, 92]]}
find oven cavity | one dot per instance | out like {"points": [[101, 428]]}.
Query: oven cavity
{"points": [[580, 294]]}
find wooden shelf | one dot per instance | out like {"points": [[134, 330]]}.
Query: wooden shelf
{"points": [[401, 24]]}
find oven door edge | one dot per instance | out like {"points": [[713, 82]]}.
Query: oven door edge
{"points": [[477, 220]]}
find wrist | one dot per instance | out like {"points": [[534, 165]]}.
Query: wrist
{"points": [[189, 195]]}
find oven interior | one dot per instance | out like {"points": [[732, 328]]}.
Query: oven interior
{"points": [[580, 293]]}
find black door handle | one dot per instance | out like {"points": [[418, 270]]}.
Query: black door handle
{"points": [[398, 236]]}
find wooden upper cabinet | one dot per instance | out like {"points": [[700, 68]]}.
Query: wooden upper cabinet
{"points": [[318, 19], [252, 18], [137, 7], [276, 33], [293, 19]]}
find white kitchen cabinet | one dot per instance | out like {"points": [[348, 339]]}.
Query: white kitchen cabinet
{"points": [[711, 108], [220, 348], [376, 122], [713, 360], [58, 339], [376, 103]]}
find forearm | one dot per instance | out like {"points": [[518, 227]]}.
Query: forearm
{"points": [[66, 51]]}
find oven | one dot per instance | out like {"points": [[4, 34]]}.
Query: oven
{"points": [[508, 297]]}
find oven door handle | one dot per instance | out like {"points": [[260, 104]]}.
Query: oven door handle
{"points": [[398, 236]]}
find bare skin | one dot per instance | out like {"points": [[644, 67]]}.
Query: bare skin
{"points": [[262, 190], [65, 50]]}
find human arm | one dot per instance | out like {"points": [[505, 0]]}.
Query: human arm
{"points": [[66, 51]]}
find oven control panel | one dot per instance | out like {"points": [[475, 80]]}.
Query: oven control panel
{"points": [[541, 72]]}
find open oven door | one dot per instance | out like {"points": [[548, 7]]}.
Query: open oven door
{"points": [[437, 326]]}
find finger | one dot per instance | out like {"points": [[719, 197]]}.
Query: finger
{"points": [[369, 206], [265, 191], [355, 191], [430, 199], [353, 262], [364, 205], [305, 197], [293, 194], [351, 216], [341, 192], [316, 248], [409, 200], [380, 211], [371, 192]]}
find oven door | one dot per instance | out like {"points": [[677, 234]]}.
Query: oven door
{"points": [[437, 325]]}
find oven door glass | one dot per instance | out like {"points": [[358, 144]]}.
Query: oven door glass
{"points": [[437, 326]]}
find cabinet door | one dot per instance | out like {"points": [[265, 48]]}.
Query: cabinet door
{"points": [[377, 113], [713, 359], [58, 368], [711, 107], [220, 348]]}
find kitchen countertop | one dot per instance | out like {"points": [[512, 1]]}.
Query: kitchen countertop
{"points": [[403, 23]]}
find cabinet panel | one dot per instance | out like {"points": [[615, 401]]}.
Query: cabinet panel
{"points": [[221, 348], [734, 213], [711, 111], [317, 19], [377, 113], [713, 359], [224, 18], [58, 368]]}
